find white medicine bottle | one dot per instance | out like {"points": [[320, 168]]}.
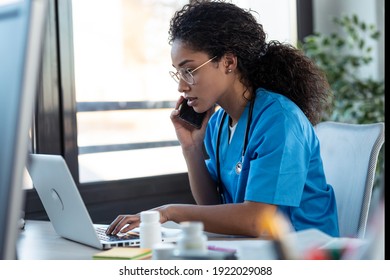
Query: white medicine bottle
{"points": [[150, 229], [192, 241]]}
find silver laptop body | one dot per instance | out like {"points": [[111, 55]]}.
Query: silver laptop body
{"points": [[66, 209]]}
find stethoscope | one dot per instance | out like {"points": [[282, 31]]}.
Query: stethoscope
{"points": [[238, 167]]}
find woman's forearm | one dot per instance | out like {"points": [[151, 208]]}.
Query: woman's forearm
{"points": [[234, 219], [203, 187]]}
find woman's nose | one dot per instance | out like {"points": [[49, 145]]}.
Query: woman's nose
{"points": [[183, 86]]}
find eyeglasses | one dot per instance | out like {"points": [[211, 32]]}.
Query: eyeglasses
{"points": [[186, 74]]}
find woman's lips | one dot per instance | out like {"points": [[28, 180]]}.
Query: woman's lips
{"points": [[191, 101]]}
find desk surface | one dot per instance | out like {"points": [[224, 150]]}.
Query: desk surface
{"points": [[39, 241]]}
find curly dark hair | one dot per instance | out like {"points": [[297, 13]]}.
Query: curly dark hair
{"points": [[219, 27]]}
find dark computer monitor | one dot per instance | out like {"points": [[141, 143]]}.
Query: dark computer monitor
{"points": [[21, 40]]}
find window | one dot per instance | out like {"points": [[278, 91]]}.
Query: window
{"points": [[123, 91]]}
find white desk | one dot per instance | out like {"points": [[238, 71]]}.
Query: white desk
{"points": [[39, 241]]}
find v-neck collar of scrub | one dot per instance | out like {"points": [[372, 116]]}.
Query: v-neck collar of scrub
{"points": [[232, 129]]}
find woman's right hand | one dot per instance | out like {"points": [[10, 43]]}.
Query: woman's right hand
{"points": [[188, 135]]}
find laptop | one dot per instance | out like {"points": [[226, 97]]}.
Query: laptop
{"points": [[66, 210]]}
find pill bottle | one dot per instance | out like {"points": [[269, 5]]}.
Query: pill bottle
{"points": [[163, 251], [150, 229], [192, 241]]}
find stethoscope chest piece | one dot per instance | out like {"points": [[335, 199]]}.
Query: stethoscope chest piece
{"points": [[238, 168]]}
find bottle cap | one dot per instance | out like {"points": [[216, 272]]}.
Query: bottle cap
{"points": [[163, 251], [191, 226], [150, 216]]}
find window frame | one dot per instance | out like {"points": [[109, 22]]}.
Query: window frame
{"points": [[56, 129]]}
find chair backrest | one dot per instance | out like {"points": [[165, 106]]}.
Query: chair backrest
{"points": [[350, 154]]}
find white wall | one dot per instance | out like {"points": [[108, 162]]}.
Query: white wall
{"points": [[370, 11], [278, 17]]}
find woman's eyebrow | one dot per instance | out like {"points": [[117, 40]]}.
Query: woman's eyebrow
{"points": [[183, 62]]}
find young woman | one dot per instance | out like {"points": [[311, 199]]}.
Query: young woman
{"points": [[263, 155]]}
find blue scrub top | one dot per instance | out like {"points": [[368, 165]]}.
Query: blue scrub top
{"points": [[282, 163]]}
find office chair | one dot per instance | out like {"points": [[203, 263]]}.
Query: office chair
{"points": [[350, 154]]}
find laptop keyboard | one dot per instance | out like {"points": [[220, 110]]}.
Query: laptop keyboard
{"points": [[101, 232]]}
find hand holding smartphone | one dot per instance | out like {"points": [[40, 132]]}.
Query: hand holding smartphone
{"points": [[188, 114]]}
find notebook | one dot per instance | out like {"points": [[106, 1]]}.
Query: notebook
{"points": [[66, 210]]}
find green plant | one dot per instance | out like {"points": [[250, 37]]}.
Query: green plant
{"points": [[342, 56]]}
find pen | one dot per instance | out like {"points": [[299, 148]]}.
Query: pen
{"points": [[276, 226], [220, 249]]}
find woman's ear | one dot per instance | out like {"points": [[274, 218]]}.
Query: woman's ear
{"points": [[230, 62]]}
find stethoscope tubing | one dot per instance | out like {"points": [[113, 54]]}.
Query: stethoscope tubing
{"points": [[245, 144]]}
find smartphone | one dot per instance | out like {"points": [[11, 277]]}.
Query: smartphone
{"points": [[188, 114]]}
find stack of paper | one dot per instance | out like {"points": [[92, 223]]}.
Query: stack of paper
{"points": [[124, 253]]}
